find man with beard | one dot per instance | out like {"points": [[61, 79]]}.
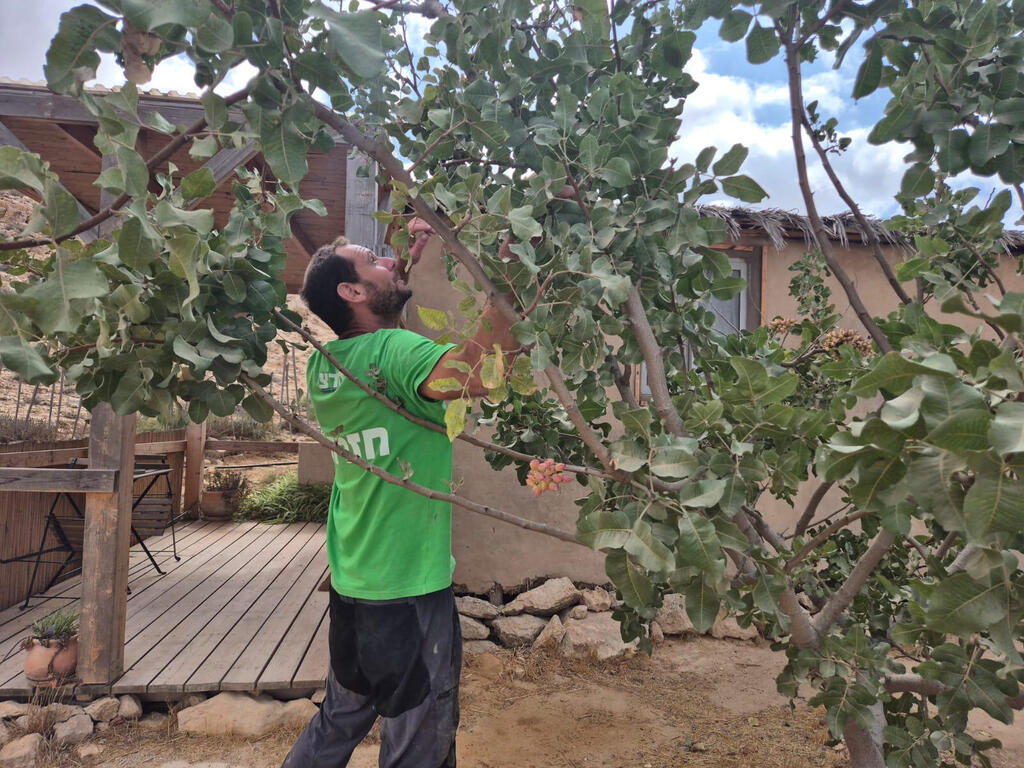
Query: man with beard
{"points": [[395, 639]]}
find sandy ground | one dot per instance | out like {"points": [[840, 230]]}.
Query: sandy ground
{"points": [[698, 702]]}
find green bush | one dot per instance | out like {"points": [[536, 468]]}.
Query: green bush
{"points": [[238, 426], [286, 501]]}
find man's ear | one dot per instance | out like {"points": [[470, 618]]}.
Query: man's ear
{"points": [[351, 292]]}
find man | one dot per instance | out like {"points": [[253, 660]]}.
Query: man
{"points": [[395, 639]]}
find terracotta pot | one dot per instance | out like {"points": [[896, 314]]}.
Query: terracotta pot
{"points": [[48, 662], [214, 506]]}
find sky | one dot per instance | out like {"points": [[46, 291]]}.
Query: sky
{"points": [[734, 103]]}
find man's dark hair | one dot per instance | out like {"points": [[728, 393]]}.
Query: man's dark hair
{"points": [[320, 286]]}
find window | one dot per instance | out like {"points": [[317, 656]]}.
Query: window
{"points": [[740, 313]]}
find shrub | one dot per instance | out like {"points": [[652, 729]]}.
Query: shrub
{"points": [[286, 501], [235, 486], [18, 430], [238, 426]]}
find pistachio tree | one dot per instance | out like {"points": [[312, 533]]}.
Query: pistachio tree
{"points": [[547, 126]]}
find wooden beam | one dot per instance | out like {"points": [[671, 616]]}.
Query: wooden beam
{"points": [[105, 547], [361, 203], [302, 237], [9, 139], [42, 458], [102, 481], [165, 446], [195, 450], [253, 446], [34, 101]]}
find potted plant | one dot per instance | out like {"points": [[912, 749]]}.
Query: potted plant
{"points": [[223, 491], [52, 649]]}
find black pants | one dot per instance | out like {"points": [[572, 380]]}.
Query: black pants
{"points": [[398, 659]]}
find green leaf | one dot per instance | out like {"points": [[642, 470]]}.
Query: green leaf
{"points": [[617, 173], [200, 149], [258, 408], [199, 183], [72, 57], [703, 493], [892, 373], [673, 462], [434, 319], [762, 44], [524, 225], [489, 134], [283, 141], [869, 76], [216, 110], [19, 169], [135, 247], [876, 477], [490, 374], [731, 161], [734, 26], [994, 503], [987, 142], [647, 550], [961, 605], [753, 384], [918, 181], [744, 188], [628, 455], [702, 604], [1007, 431], [26, 360], [69, 281], [131, 393], [604, 529], [699, 546], [636, 589], [61, 209], [356, 38], [215, 34], [962, 432], [455, 417]]}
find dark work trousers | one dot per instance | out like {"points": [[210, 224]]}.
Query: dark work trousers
{"points": [[397, 659]]}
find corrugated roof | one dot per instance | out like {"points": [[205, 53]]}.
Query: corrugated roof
{"points": [[154, 93]]}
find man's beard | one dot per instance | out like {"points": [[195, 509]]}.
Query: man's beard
{"points": [[386, 302]]}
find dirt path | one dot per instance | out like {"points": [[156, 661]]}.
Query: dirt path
{"points": [[697, 703]]}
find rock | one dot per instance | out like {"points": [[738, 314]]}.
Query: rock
{"points": [[73, 730], [298, 712], [191, 700], [514, 631], [476, 608], [576, 612], [103, 710], [22, 753], [319, 696], [89, 750], [597, 634], [129, 707], [488, 666], [154, 721], [23, 723], [672, 618], [596, 600], [547, 599], [473, 629], [6, 733], [657, 633], [102, 727], [63, 712], [473, 647], [727, 627], [237, 714], [551, 635], [12, 709]]}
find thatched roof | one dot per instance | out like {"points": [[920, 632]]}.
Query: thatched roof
{"points": [[843, 228]]}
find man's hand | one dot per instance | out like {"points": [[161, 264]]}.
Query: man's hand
{"points": [[419, 236]]}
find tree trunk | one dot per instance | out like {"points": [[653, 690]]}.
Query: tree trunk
{"points": [[866, 745]]}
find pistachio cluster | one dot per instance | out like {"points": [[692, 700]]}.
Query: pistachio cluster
{"points": [[839, 336], [782, 325], [545, 475]]}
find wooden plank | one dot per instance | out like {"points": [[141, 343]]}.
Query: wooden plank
{"points": [[195, 450], [92, 481], [35, 101], [146, 653], [246, 670], [105, 549], [312, 672], [253, 446], [42, 458], [234, 643], [164, 446], [283, 665], [194, 639], [361, 203]]}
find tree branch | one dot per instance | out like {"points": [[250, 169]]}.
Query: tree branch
{"points": [[801, 627], [655, 365], [387, 477], [812, 508], [842, 597], [796, 106], [824, 536]]}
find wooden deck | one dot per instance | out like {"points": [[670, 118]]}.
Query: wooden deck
{"points": [[239, 612]]}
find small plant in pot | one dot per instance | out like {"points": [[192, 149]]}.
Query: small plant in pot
{"points": [[223, 491], [52, 649]]}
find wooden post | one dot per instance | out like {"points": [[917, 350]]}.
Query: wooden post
{"points": [[105, 546], [361, 203], [195, 452]]}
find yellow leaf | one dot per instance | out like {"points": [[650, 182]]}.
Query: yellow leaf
{"points": [[434, 319], [455, 417]]}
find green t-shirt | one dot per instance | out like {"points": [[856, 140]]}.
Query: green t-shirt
{"points": [[384, 541]]}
